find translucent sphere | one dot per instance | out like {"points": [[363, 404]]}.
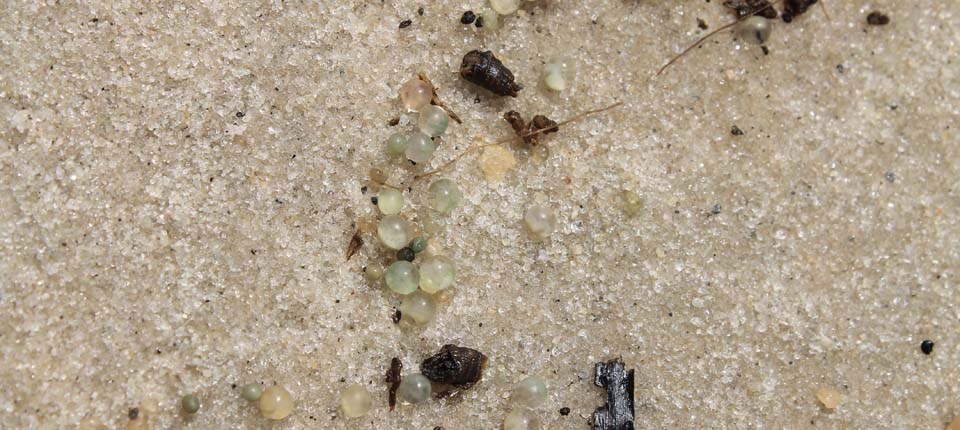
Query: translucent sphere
{"points": [[415, 94], [490, 19], [632, 203], [251, 392], [414, 388], [355, 401], [540, 221], [418, 307], [444, 195], [420, 148], [276, 403], [389, 201], [392, 231], [558, 74], [755, 30], [397, 143], [190, 404], [520, 419], [437, 273], [530, 392], [402, 277], [505, 7], [433, 120], [373, 271]]}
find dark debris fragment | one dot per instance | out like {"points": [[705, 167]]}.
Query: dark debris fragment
{"points": [[485, 70], [746, 8], [356, 242], [454, 365], [618, 412], [393, 379], [468, 17], [926, 346], [405, 23], [530, 131], [795, 8], [877, 18], [736, 131]]}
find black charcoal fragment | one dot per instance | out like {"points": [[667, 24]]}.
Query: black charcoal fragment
{"points": [[617, 413]]}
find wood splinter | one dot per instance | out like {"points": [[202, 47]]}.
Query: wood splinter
{"points": [[618, 412]]}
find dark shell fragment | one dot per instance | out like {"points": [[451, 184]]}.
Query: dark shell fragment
{"points": [[485, 70], [454, 365], [617, 413], [530, 132]]}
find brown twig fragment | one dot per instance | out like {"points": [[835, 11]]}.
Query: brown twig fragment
{"points": [[521, 138], [435, 99], [393, 379]]}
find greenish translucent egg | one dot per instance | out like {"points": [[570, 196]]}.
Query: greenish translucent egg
{"points": [[418, 244], [373, 271], [540, 221], [397, 143], [520, 419], [190, 404], [355, 401], [433, 120], [530, 392], [392, 231], [251, 392], [632, 203], [755, 29], [276, 403], [437, 273], [444, 195], [420, 148], [389, 201], [402, 277], [414, 388], [490, 19], [505, 7], [418, 307]]}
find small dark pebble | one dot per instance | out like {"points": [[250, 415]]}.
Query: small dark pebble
{"points": [[564, 411], [891, 177], [420, 11], [393, 122], [468, 17], [133, 413], [479, 22], [406, 23], [240, 114], [926, 346], [716, 209], [736, 131], [396, 316], [363, 189], [877, 18], [373, 200], [702, 24], [406, 254], [766, 51]]}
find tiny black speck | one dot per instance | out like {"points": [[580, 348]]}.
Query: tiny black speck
{"points": [[736, 131], [468, 17], [240, 114], [877, 18], [926, 346], [564, 411], [133, 413], [405, 23], [420, 11], [479, 22], [373, 199], [406, 254], [396, 316], [363, 189]]}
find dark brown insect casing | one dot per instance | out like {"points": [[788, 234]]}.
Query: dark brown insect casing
{"points": [[454, 365], [485, 70]]}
